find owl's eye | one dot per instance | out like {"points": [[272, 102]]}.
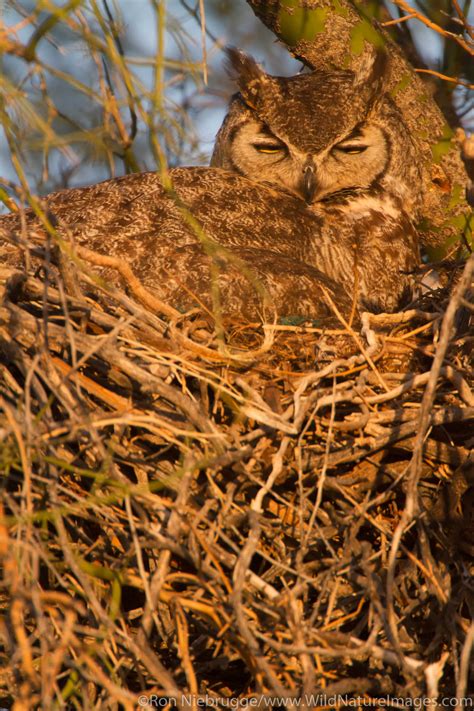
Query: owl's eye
{"points": [[351, 149], [268, 147]]}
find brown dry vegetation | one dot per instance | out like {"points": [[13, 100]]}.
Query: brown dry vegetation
{"points": [[263, 512], [188, 516]]}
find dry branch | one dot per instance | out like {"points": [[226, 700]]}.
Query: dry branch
{"points": [[226, 524]]}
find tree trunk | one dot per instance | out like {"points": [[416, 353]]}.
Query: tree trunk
{"points": [[329, 34]]}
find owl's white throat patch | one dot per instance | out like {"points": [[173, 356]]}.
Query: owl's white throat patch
{"points": [[362, 205]]}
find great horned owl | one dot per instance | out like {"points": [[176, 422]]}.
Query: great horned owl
{"points": [[333, 219], [322, 135]]}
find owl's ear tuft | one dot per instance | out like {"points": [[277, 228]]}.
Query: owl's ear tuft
{"points": [[242, 67], [247, 73], [372, 69]]}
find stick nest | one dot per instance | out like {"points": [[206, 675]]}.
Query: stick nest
{"points": [[264, 512]]}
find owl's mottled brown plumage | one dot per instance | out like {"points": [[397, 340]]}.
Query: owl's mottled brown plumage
{"points": [[352, 239], [314, 118], [291, 249]]}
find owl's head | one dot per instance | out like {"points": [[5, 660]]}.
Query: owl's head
{"points": [[323, 136]]}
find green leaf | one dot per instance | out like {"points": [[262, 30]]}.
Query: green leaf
{"points": [[297, 23]]}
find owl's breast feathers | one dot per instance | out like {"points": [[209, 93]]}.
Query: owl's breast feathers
{"points": [[262, 240], [376, 250]]}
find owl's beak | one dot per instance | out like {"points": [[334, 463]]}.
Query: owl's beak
{"points": [[309, 184]]}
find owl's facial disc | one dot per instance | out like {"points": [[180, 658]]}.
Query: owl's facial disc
{"points": [[258, 154], [348, 166], [353, 164]]}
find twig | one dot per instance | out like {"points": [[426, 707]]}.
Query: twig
{"points": [[444, 77], [433, 26], [239, 577], [469, 28], [461, 687], [142, 294], [410, 509], [277, 467], [399, 20]]}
